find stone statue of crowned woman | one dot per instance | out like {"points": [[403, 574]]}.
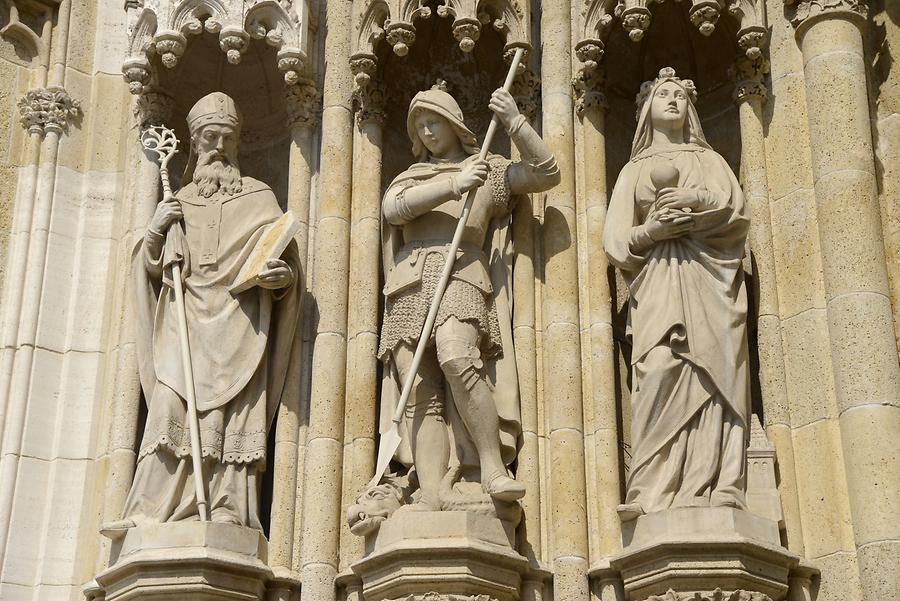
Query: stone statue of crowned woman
{"points": [[676, 227]]}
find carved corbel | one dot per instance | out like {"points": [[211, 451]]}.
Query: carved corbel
{"points": [[234, 42], [400, 36], [466, 31], [363, 66], [48, 109], [635, 17], [368, 92], [509, 52], [291, 62], [590, 80], [169, 45], [704, 14], [137, 73], [753, 35]]}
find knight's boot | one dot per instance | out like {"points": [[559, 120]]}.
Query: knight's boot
{"points": [[503, 488]]}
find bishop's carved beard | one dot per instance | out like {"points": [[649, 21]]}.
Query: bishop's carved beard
{"points": [[215, 172]]}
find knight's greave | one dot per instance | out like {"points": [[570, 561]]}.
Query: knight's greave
{"points": [[474, 400]]}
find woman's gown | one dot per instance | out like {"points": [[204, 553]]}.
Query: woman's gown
{"points": [[687, 324]]}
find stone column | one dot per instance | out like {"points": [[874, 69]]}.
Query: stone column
{"points": [[562, 344], [55, 109], [302, 99], [124, 387], [750, 93], [323, 466], [361, 420], [591, 107], [863, 351], [525, 89]]}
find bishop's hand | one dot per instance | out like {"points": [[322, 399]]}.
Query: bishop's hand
{"points": [[277, 274], [167, 212], [504, 106]]}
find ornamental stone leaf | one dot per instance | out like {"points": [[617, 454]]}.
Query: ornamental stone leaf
{"points": [[716, 595], [48, 109], [804, 9], [432, 596]]}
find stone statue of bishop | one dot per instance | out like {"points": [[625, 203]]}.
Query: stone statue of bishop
{"points": [[240, 343]]}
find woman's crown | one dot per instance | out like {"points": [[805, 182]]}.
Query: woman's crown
{"points": [[665, 74]]}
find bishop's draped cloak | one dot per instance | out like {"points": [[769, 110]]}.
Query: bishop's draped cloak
{"points": [[240, 348]]}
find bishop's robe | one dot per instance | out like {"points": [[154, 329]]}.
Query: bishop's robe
{"points": [[240, 348]]}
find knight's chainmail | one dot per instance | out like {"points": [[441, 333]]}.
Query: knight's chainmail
{"points": [[405, 313]]}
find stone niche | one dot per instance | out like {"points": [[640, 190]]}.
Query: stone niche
{"points": [[256, 87], [192, 559], [471, 78], [467, 552], [690, 553]]}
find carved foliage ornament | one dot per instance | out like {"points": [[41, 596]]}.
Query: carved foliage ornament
{"points": [[153, 108], [302, 102], [749, 78], [446, 597], [716, 595], [48, 109], [806, 9]]}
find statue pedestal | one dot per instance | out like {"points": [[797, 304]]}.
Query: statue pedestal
{"points": [[188, 560], [441, 556], [717, 553]]}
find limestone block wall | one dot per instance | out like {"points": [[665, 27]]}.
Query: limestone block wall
{"points": [[817, 152], [65, 187]]}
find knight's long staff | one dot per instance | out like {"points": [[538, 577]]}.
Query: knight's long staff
{"points": [[162, 141], [390, 440]]}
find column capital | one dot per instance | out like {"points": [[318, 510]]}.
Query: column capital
{"points": [[749, 75], [803, 13], [302, 100], [368, 91], [590, 93], [526, 90], [48, 109], [590, 82], [153, 107], [369, 103]]}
